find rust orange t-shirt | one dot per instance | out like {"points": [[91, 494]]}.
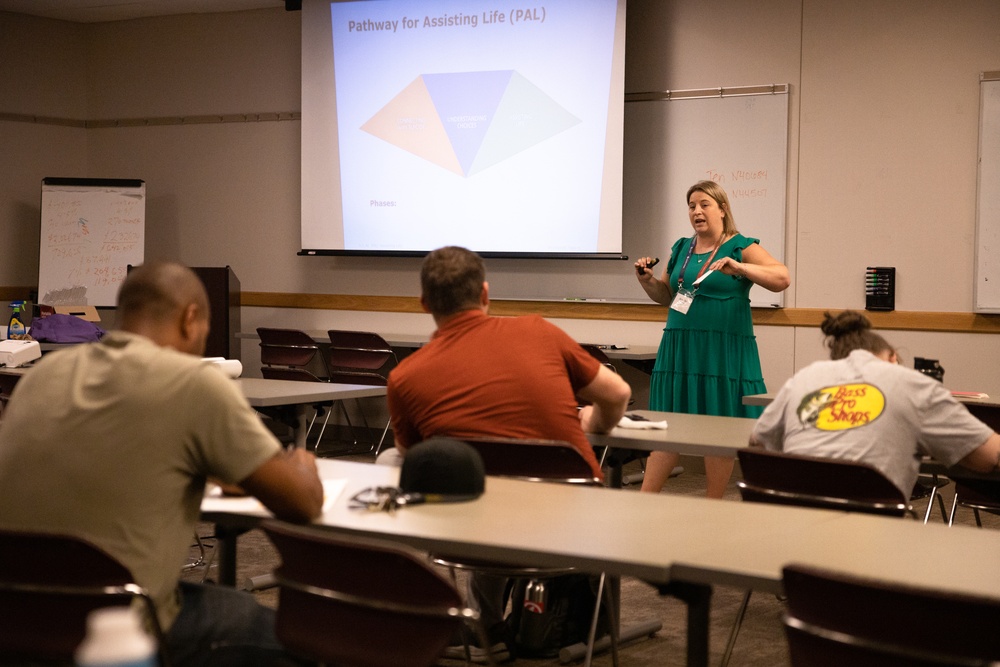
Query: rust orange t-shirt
{"points": [[513, 377]]}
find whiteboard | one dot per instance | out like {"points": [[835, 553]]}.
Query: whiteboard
{"points": [[987, 273], [738, 141], [670, 144], [91, 230]]}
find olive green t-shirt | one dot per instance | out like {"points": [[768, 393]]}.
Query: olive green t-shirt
{"points": [[112, 441]]}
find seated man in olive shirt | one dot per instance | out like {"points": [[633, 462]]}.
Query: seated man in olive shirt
{"points": [[113, 442]]}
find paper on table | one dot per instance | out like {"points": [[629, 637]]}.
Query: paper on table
{"points": [[231, 367], [214, 501], [625, 422], [969, 394]]}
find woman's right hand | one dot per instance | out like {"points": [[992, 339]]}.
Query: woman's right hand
{"points": [[656, 289], [643, 273]]}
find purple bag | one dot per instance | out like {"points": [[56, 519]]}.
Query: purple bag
{"points": [[59, 328]]}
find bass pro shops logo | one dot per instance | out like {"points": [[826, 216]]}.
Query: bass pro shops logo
{"points": [[841, 407]]}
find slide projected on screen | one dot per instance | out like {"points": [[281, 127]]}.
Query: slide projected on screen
{"points": [[467, 122]]}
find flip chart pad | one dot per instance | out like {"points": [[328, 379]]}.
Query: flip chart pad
{"points": [[91, 230]]}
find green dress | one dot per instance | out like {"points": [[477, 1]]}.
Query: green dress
{"points": [[708, 358]]}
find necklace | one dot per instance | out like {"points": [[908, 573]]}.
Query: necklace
{"points": [[722, 239]]}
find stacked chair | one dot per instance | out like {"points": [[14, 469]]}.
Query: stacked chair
{"points": [[291, 354], [361, 357]]}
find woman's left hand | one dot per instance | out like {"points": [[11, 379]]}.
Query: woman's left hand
{"points": [[729, 266], [758, 267]]}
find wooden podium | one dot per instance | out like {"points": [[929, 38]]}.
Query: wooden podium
{"points": [[223, 289]]}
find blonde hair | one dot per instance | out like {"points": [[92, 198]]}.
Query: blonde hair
{"points": [[715, 191]]}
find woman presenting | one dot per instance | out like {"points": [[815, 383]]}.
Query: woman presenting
{"points": [[707, 359]]}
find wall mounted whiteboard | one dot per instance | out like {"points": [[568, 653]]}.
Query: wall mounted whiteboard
{"points": [[737, 139], [738, 136], [91, 230], [987, 273]]}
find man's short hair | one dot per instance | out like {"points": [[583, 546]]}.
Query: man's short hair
{"points": [[451, 280], [156, 290]]}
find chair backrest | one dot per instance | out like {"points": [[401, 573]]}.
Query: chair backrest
{"points": [[837, 619], [359, 601], [49, 583], [534, 460], [359, 357], [286, 347], [808, 481], [979, 493]]}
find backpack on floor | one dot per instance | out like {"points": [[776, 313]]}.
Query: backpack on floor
{"points": [[549, 614]]}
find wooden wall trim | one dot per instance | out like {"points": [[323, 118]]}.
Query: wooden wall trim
{"points": [[635, 312], [156, 121], [632, 312]]}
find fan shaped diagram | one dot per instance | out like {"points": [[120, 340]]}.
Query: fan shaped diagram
{"points": [[466, 122]]}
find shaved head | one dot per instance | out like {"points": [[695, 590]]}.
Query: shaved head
{"points": [[159, 296]]}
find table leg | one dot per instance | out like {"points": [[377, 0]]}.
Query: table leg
{"points": [[300, 426], [615, 475], [699, 601], [225, 544]]}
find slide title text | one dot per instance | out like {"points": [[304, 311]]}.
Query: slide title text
{"points": [[512, 17]]}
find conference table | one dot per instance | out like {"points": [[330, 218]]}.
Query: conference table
{"points": [[682, 545], [278, 396], [696, 435], [701, 435]]}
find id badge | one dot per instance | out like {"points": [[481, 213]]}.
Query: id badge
{"points": [[682, 301]]}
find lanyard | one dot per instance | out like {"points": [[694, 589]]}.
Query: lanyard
{"points": [[694, 239]]}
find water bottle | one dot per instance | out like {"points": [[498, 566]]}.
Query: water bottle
{"points": [[531, 635], [116, 638]]}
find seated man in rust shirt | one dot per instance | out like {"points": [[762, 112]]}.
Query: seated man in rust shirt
{"points": [[516, 377]]}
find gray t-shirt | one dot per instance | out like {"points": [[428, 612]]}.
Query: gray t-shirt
{"points": [[865, 409], [112, 441]]}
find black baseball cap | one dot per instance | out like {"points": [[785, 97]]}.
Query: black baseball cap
{"points": [[442, 470]]}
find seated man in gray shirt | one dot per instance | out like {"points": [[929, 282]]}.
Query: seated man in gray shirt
{"points": [[862, 406]]}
